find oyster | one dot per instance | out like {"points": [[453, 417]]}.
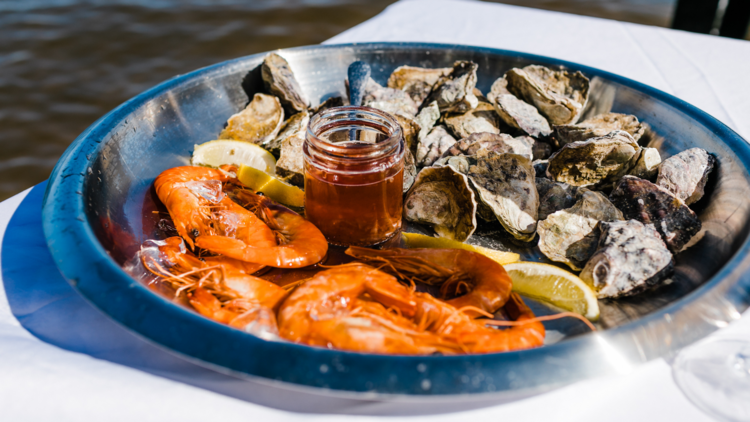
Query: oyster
{"points": [[416, 81], [390, 100], [291, 163], [598, 126], [630, 259], [460, 163], [329, 103], [410, 129], [294, 126], [686, 173], [280, 81], [410, 170], [554, 196], [454, 92], [651, 204], [570, 235], [433, 146], [426, 119], [482, 118], [521, 145], [258, 123], [647, 164], [517, 113], [505, 182], [443, 199], [596, 161], [559, 95]]}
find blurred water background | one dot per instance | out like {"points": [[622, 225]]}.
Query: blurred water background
{"points": [[65, 63]]}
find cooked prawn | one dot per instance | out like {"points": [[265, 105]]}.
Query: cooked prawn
{"points": [[472, 279]]}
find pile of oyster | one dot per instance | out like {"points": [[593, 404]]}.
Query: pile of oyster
{"points": [[590, 193]]}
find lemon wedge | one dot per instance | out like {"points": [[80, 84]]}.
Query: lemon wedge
{"points": [[554, 285], [416, 240], [272, 187], [229, 151]]}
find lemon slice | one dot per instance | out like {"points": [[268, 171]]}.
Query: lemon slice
{"points": [[229, 151], [416, 240], [554, 285], [272, 187]]}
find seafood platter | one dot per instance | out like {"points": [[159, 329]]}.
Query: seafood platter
{"points": [[479, 221]]}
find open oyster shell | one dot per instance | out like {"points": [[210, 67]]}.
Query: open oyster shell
{"points": [[390, 100], [417, 82], [280, 81], [291, 163], [443, 199], [596, 161], [559, 95], [599, 126], [570, 235], [258, 123], [426, 119], [517, 113], [502, 143], [505, 183], [482, 118], [433, 146], [647, 164], [631, 258], [454, 92], [648, 203], [555, 196], [293, 126], [686, 173]]}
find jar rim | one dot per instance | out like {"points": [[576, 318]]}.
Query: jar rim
{"points": [[340, 116]]}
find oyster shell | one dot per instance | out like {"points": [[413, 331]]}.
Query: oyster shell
{"points": [[517, 113], [390, 100], [482, 118], [631, 258], [258, 123], [541, 150], [329, 103], [454, 92], [596, 161], [559, 95], [443, 199], [410, 130], [505, 182], [426, 118], [570, 235], [647, 164], [280, 81], [554, 196], [460, 163], [686, 173], [598, 126], [433, 146], [410, 170], [648, 203], [294, 126], [417, 82], [521, 145], [291, 163]]}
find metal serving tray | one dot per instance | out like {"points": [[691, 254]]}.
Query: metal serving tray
{"points": [[99, 202]]}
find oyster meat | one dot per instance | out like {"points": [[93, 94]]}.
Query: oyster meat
{"points": [[596, 161], [482, 118], [570, 235], [554, 196], [258, 123], [329, 103], [521, 145], [417, 82], [433, 146], [505, 183], [294, 126], [686, 173], [647, 164], [559, 95], [517, 113], [390, 100], [648, 203], [631, 258], [410, 170], [599, 126], [443, 199], [426, 119], [454, 92], [280, 81]]}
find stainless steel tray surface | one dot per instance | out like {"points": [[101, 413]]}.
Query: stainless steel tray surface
{"points": [[99, 208]]}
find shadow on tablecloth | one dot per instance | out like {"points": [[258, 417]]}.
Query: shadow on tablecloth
{"points": [[48, 307]]}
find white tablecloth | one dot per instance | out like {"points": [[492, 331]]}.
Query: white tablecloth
{"points": [[61, 360]]}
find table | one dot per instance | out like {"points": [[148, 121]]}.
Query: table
{"points": [[60, 359]]}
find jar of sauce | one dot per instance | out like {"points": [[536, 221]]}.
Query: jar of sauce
{"points": [[354, 170]]}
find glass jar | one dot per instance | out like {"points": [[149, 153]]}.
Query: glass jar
{"points": [[354, 171]]}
